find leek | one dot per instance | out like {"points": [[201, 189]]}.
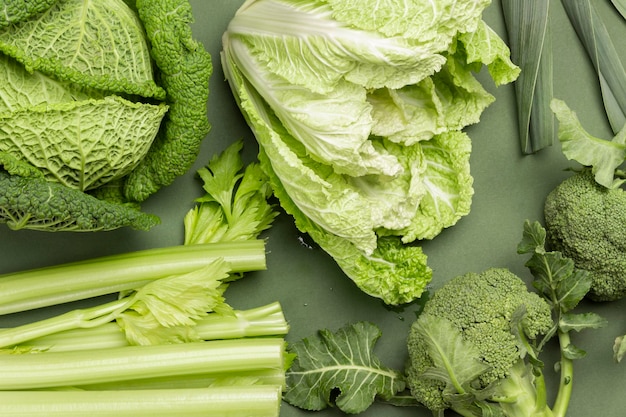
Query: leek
{"points": [[593, 33], [620, 6], [528, 28]]}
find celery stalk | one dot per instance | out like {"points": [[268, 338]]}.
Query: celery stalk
{"points": [[257, 400], [266, 320], [42, 287], [240, 378], [93, 366]]}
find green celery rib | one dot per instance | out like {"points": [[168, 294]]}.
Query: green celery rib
{"points": [[256, 400], [248, 377], [42, 287], [77, 368], [594, 36], [528, 29], [266, 320]]}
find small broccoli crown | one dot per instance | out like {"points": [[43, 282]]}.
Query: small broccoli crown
{"points": [[587, 223], [483, 308]]}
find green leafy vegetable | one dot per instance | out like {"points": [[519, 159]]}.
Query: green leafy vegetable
{"points": [[528, 27], [611, 73], [113, 57], [603, 156], [266, 320], [67, 369], [17, 10], [343, 361], [476, 347], [82, 102], [170, 331], [619, 348], [359, 122], [184, 69], [235, 206], [51, 206], [620, 5]]}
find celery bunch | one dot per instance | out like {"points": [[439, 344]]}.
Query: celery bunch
{"points": [[170, 344]]}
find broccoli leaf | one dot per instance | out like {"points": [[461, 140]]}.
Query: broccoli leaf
{"points": [[454, 359], [342, 361], [603, 156], [582, 321], [556, 276], [533, 238]]}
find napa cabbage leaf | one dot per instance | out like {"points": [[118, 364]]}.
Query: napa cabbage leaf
{"points": [[360, 119]]}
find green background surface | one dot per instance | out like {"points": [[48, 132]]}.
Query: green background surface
{"points": [[509, 188]]}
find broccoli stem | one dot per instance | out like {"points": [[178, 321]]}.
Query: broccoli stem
{"points": [[218, 358], [564, 393], [266, 320], [42, 287], [257, 400]]}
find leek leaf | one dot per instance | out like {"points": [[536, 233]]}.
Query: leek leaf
{"points": [[527, 25], [596, 39], [620, 5]]}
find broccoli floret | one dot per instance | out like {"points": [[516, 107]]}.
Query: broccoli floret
{"points": [[476, 323], [587, 223]]}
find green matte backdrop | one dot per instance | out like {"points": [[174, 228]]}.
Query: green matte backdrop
{"points": [[509, 188]]}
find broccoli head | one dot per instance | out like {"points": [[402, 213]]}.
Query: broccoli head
{"points": [[586, 222], [467, 343]]}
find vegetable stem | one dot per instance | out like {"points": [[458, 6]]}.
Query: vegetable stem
{"points": [[42, 287], [567, 376], [75, 319], [266, 320], [92, 366], [257, 400]]}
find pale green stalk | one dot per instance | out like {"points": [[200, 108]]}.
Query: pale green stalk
{"points": [[255, 400], [266, 320], [566, 364], [620, 6], [75, 319], [606, 60], [31, 289], [528, 28], [94, 366], [241, 378]]}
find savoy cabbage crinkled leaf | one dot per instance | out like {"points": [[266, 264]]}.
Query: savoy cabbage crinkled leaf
{"points": [[49, 206], [340, 361], [68, 142], [100, 44]]}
